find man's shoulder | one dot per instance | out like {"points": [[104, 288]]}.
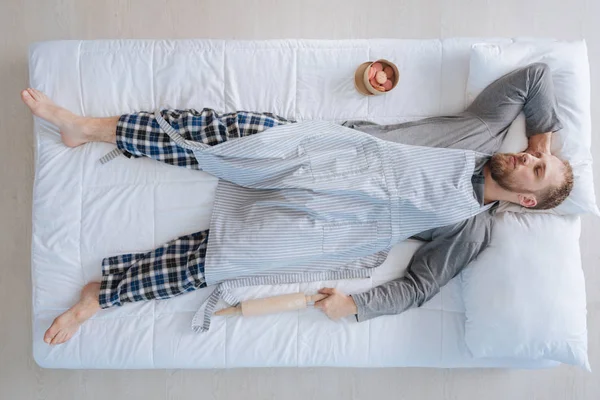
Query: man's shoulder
{"points": [[475, 229]]}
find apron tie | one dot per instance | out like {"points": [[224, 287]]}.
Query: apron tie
{"points": [[202, 324], [110, 156]]}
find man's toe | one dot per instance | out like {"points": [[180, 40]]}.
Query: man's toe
{"points": [[47, 338], [56, 339], [59, 338], [32, 93], [51, 333], [25, 95]]}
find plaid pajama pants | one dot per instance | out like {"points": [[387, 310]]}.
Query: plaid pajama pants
{"points": [[177, 267]]}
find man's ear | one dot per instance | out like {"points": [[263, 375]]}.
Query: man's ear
{"points": [[527, 200]]}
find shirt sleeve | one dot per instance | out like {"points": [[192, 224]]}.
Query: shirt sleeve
{"points": [[541, 105], [432, 266], [529, 89]]}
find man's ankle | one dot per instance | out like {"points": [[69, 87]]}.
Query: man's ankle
{"points": [[100, 129]]}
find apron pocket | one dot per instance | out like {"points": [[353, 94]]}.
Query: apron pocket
{"points": [[342, 236], [328, 159]]}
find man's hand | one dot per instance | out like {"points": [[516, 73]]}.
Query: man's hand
{"points": [[337, 305], [540, 143]]}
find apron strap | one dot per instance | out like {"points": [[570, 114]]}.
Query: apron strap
{"points": [[110, 156], [176, 136], [221, 292]]}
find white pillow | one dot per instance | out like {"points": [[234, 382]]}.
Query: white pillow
{"points": [[568, 62], [525, 294]]}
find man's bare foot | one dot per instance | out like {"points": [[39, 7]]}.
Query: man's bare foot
{"points": [[67, 324], [72, 127]]}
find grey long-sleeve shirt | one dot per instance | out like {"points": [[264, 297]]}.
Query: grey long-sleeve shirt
{"points": [[482, 127]]}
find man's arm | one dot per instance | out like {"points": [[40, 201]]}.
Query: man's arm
{"points": [[540, 142], [432, 266], [529, 89]]}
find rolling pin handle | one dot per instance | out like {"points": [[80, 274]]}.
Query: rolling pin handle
{"points": [[229, 311]]}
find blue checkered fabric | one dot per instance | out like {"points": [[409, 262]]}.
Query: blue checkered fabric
{"points": [[139, 135], [176, 267]]}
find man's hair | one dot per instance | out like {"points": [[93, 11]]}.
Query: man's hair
{"points": [[554, 195]]}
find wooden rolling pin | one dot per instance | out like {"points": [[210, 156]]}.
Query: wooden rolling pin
{"points": [[271, 305]]}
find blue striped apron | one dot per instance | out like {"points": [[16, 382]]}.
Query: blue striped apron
{"points": [[318, 201]]}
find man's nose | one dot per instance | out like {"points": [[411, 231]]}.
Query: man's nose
{"points": [[526, 158]]}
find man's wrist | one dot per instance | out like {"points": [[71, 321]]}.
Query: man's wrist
{"points": [[540, 142], [353, 306]]}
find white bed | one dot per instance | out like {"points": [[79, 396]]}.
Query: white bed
{"points": [[84, 211]]}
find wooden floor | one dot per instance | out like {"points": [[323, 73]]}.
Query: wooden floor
{"points": [[26, 21]]}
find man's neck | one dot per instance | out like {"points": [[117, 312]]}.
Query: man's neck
{"points": [[491, 190]]}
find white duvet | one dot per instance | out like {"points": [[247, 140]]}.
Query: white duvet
{"points": [[84, 211]]}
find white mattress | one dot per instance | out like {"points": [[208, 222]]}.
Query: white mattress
{"points": [[84, 211]]}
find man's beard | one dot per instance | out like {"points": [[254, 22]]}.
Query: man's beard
{"points": [[501, 168]]}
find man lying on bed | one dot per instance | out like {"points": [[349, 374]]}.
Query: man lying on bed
{"points": [[533, 179]]}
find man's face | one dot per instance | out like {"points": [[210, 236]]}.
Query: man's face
{"points": [[525, 172]]}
